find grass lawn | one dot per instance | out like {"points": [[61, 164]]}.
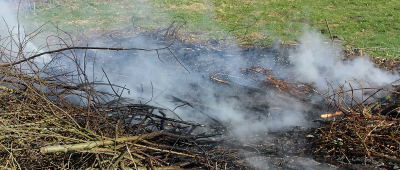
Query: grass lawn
{"points": [[373, 26]]}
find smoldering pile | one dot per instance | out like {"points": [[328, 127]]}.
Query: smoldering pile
{"points": [[53, 118], [42, 129]]}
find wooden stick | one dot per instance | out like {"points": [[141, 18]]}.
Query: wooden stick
{"points": [[92, 144], [326, 21]]}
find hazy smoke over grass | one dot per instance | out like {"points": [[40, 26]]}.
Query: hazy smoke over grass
{"points": [[150, 78], [318, 62], [157, 79], [12, 35]]}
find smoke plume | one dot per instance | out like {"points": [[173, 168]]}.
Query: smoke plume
{"points": [[157, 78], [319, 62], [12, 36]]}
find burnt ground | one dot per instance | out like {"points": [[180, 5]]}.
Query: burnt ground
{"points": [[283, 148]]}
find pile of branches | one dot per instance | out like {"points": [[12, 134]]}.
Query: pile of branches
{"points": [[53, 119], [364, 132]]}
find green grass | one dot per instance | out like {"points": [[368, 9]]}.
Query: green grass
{"points": [[369, 25]]}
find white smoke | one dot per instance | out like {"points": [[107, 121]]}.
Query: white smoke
{"points": [[13, 35], [319, 62], [314, 61]]}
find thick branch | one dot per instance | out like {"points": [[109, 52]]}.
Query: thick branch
{"points": [[92, 144]]}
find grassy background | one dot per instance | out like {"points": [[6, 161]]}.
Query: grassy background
{"points": [[369, 25]]}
